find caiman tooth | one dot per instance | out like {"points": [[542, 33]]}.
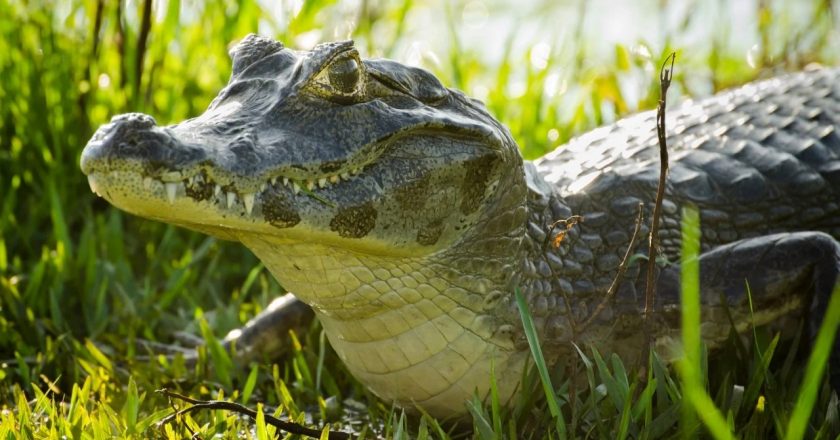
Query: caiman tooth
{"points": [[171, 191], [322, 182], [231, 197], [248, 199], [147, 183], [345, 175], [310, 184], [263, 187], [273, 180], [286, 181], [334, 179], [296, 187], [216, 190], [93, 185]]}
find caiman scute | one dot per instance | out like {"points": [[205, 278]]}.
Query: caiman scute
{"points": [[402, 212]]}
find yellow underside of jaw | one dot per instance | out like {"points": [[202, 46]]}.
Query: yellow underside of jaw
{"points": [[230, 216], [408, 334], [173, 185], [168, 203]]}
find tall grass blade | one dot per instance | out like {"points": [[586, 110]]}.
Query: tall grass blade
{"points": [[131, 408], [221, 360], [817, 362], [250, 383], [539, 360], [690, 365], [495, 404], [481, 425]]}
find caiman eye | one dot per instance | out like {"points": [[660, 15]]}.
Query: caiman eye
{"points": [[344, 75], [342, 80]]}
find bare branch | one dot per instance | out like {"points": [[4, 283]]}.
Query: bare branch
{"points": [[666, 73], [292, 428], [622, 268]]}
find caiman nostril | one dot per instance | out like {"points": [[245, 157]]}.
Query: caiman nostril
{"points": [[136, 137], [137, 121]]}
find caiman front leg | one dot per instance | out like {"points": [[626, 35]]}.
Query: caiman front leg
{"points": [[783, 272], [266, 336]]}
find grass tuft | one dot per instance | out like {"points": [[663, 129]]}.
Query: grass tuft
{"points": [[817, 362], [689, 366], [539, 360]]}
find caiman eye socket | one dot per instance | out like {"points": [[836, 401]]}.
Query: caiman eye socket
{"points": [[342, 80], [344, 75]]}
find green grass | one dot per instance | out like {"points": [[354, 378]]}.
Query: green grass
{"points": [[696, 398], [82, 285]]}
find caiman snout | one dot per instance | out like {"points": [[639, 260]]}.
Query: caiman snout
{"points": [[136, 137], [129, 127], [123, 127]]}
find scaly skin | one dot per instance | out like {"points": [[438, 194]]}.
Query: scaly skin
{"points": [[402, 212]]}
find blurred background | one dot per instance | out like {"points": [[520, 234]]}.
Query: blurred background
{"points": [[81, 282]]}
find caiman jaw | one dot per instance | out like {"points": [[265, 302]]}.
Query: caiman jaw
{"points": [[200, 186], [198, 179]]}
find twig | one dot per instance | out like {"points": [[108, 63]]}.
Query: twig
{"points": [[140, 55], [622, 268], [175, 414], [89, 58], [290, 427], [576, 328], [119, 40], [665, 75]]}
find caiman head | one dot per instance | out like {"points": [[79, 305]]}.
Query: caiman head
{"points": [[378, 196]]}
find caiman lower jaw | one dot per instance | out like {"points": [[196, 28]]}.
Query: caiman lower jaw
{"points": [[156, 200], [169, 202], [200, 186], [225, 215]]}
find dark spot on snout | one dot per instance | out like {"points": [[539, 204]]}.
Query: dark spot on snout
{"points": [[476, 176], [331, 166], [154, 167], [355, 221], [413, 195], [200, 191], [279, 211], [430, 234]]}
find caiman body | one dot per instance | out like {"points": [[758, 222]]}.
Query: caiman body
{"points": [[402, 212]]}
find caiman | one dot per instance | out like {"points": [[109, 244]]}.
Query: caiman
{"points": [[403, 213]]}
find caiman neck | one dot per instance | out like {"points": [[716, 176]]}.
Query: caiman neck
{"points": [[548, 271], [421, 330], [416, 331]]}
